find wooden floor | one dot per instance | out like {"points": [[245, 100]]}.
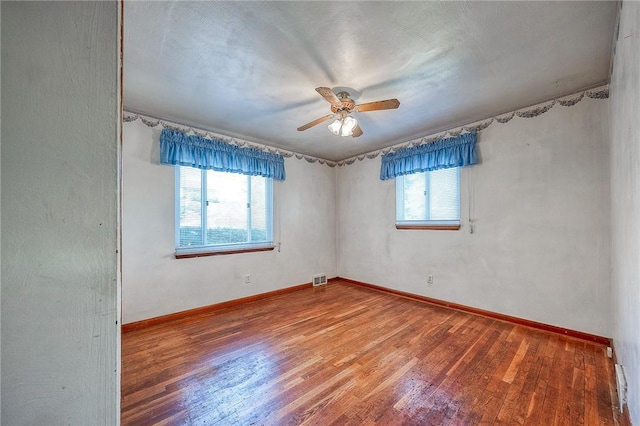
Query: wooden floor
{"points": [[346, 355]]}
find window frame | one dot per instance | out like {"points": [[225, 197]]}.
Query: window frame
{"points": [[425, 224], [221, 249]]}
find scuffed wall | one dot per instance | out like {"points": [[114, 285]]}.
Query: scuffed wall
{"points": [[59, 213], [625, 200], [155, 283], [539, 202]]}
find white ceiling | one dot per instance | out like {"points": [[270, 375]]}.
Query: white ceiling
{"points": [[249, 69]]}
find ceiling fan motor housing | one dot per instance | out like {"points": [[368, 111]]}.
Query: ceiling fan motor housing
{"points": [[348, 104]]}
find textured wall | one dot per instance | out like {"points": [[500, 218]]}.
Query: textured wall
{"points": [[625, 200], [540, 203], [155, 283], [59, 212]]}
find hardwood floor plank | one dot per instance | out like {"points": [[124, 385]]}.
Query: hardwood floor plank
{"points": [[474, 381], [512, 370], [550, 404], [539, 391], [606, 394], [590, 396], [577, 386], [532, 367], [515, 381], [347, 355]]}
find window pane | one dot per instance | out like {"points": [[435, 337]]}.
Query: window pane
{"points": [[444, 195], [259, 217], [227, 211], [415, 200], [190, 207], [429, 197]]}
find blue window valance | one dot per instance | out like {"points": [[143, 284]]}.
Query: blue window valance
{"points": [[178, 148], [446, 153]]}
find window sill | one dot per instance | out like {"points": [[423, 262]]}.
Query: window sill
{"points": [[205, 252], [429, 227]]}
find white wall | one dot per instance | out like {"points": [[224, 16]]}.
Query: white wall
{"points": [[0, 230], [155, 283], [59, 213], [625, 200], [540, 203]]}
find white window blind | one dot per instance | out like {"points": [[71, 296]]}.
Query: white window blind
{"points": [[429, 198], [190, 207]]}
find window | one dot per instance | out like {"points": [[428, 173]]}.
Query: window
{"points": [[428, 200], [220, 212]]}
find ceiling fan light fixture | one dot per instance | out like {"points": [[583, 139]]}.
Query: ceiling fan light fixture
{"points": [[348, 125], [343, 126], [335, 127], [341, 106]]}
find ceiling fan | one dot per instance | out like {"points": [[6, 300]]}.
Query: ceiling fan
{"points": [[342, 106]]}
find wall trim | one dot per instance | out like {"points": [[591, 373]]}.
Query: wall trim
{"points": [[149, 121], [494, 315], [599, 91], [182, 315]]}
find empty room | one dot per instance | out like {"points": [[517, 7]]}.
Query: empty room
{"points": [[321, 213]]}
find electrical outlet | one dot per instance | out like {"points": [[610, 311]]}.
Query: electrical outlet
{"points": [[247, 278], [429, 280]]}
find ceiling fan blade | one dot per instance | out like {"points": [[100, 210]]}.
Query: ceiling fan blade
{"points": [[378, 105], [314, 122], [357, 131], [331, 97]]}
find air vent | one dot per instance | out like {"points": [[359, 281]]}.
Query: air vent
{"points": [[621, 383], [319, 279]]}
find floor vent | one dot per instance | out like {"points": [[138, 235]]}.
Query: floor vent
{"points": [[621, 383], [319, 279]]}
